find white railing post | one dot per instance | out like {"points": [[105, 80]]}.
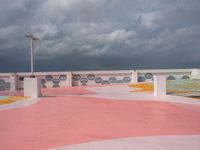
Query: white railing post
{"points": [[69, 79], [134, 78], [195, 74], [159, 85], [32, 87], [13, 82]]}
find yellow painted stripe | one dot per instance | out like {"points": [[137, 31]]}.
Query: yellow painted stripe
{"points": [[3, 102], [11, 99], [143, 87]]}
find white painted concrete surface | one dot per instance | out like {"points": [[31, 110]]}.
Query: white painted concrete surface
{"points": [[182, 142], [123, 92]]}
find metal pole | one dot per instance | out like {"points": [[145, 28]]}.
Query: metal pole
{"points": [[32, 73], [32, 39]]}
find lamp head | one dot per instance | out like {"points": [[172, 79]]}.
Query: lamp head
{"points": [[30, 35]]}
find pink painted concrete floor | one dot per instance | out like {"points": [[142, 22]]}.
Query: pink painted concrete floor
{"points": [[71, 116]]}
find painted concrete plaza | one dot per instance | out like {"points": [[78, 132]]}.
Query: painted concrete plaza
{"points": [[99, 75], [100, 117]]}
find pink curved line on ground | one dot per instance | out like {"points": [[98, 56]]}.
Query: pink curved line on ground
{"points": [[67, 120]]}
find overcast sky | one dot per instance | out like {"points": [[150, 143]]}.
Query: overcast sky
{"points": [[100, 34]]}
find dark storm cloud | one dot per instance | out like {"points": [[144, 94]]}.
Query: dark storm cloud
{"points": [[100, 34]]}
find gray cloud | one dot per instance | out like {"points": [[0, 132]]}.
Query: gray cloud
{"points": [[100, 34]]}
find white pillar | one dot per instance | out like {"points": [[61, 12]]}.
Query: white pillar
{"points": [[13, 82], [134, 78], [159, 85], [69, 79], [195, 74], [32, 87]]}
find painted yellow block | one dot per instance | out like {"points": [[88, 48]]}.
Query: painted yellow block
{"points": [[11, 99], [143, 87], [3, 102]]}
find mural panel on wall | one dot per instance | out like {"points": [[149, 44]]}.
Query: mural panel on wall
{"points": [[48, 77], [149, 77], [4, 85], [83, 81], [127, 79], [185, 77], [93, 79], [98, 80], [53, 80], [47, 81], [76, 77], [63, 77]]}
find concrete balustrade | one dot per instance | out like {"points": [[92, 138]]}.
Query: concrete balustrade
{"points": [[14, 81]]}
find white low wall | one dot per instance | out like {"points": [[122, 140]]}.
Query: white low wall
{"points": [[13, 81], [171, 74], [101, 77]]}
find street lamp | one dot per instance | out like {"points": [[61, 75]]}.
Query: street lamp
{"points": [[32, 39]]}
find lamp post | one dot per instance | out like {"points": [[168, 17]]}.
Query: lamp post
{"points": [[32, 39]]}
